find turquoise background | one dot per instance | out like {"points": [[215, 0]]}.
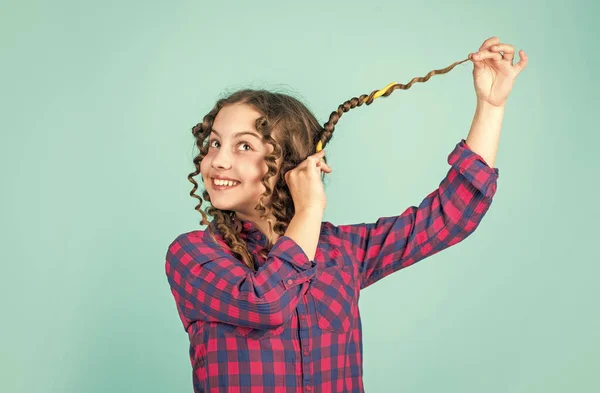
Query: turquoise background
{"points": [[98, 100]]}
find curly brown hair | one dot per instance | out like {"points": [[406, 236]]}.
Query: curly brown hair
{"points": [[297, 134]]}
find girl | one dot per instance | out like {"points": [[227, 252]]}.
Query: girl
{"points": [[269, 294]]}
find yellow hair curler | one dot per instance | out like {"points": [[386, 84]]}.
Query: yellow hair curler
{"points": [[319, 146], [378, 94]]}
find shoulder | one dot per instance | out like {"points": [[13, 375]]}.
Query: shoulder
{"points": [[198, 245], [195, 237], [328, 227], [331, 233]]}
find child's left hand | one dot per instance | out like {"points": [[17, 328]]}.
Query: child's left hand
{"points": [[493, 72]]}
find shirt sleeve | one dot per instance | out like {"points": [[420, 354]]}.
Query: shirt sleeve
{"points": [[445, 217], [211, 285]]}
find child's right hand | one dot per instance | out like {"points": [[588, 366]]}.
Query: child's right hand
{"points": [[304, 182]]}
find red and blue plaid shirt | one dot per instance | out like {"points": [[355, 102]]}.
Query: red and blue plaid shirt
{"points": [[294, 325]]}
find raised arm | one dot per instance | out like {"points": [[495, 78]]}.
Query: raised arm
{"points": [[445, 217]]}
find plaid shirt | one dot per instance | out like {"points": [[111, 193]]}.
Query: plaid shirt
{"points": [[294, 325]]}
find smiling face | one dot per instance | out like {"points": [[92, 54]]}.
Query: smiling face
{"points": [[236, 151]]}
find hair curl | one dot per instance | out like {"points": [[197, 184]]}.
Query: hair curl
{"points": [[297, 134]]}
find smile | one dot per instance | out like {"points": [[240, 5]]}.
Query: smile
{"points": [[224, 184]]}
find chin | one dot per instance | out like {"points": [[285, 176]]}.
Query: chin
{"points": [[220, 205]]}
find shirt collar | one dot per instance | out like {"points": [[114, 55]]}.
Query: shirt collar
{"points": [[249, 231]]}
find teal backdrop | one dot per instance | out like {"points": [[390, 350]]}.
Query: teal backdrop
{"points": [[98, 100]]}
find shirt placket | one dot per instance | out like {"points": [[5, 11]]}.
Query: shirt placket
{"points": [[303, 312], [305, 345]]}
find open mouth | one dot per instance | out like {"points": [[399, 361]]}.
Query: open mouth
{"points": [[224, 184]]}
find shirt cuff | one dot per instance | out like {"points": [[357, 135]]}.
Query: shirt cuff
{"points": [[286, 248], [474, 168]]}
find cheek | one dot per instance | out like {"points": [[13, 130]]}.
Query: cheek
{"points": [[204, 168], [256, 168], [253, 172]]}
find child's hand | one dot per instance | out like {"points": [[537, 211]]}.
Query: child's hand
{"points": [[494, 73], [304, 182]]}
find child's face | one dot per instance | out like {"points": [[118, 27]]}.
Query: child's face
{"points": [[240, 158]]}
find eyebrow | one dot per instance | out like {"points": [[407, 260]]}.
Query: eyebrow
{"points": [[237, 134]]}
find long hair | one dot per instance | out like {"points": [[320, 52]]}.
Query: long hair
{"points": [[298, 134]]}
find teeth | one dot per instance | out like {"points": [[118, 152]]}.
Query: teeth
{"points": [[225, 182]]}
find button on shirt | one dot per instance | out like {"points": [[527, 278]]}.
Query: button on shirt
{"points": [[294, 324]]}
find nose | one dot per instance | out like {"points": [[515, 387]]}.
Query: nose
{"points": [[221, 159]]}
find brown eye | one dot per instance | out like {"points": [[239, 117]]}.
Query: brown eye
{"points": [[247, 144]]}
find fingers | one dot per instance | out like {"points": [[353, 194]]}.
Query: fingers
{"points": [[478, 56], [314, 161], [320, 163], [319, 154], [324, 167], [492, 48], [485, 52], [314, 158], [509, 50], [522, 61], [489, 42]]}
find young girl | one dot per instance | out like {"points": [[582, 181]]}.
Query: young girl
{"points": [[269, 294]]}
